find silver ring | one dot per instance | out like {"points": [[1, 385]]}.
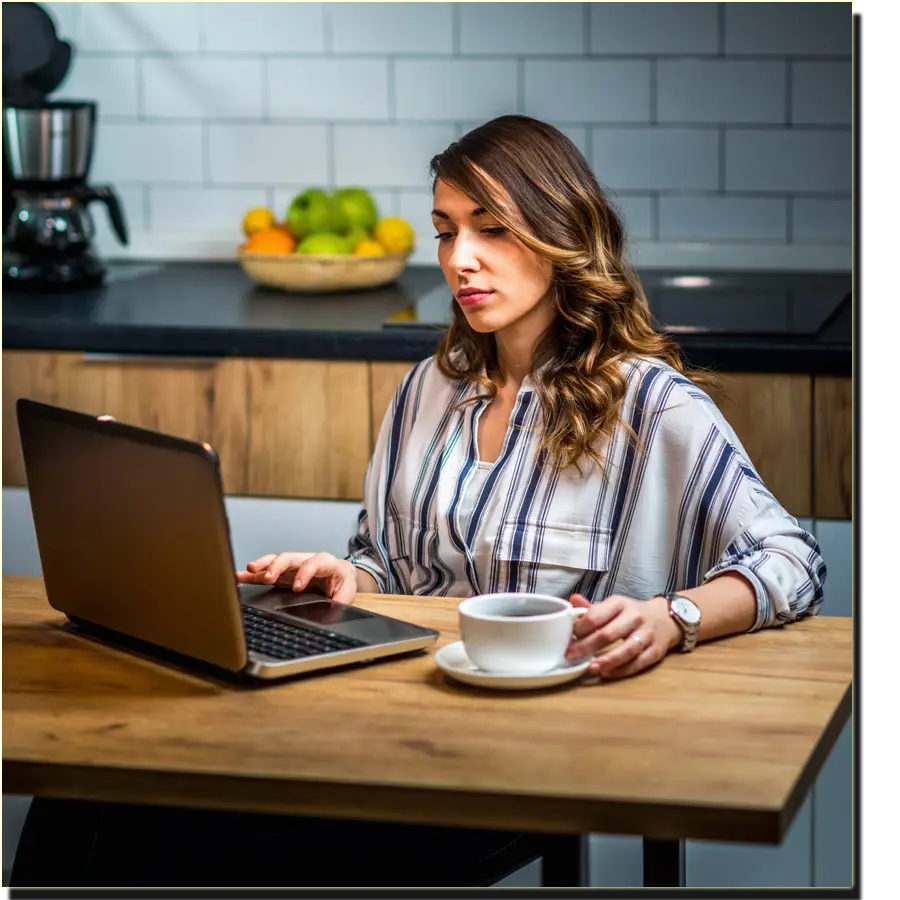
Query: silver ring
{"points": [[638, 640]]}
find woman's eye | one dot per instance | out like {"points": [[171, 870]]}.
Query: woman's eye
{"points": [[494, 231], [443, 235]]}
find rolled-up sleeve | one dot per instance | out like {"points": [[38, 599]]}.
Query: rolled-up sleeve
{"points": [[778, 557], [362, 552], [728, 519]]}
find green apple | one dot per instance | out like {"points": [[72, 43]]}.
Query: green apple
{"points": [[324, 243], [314, 211], [354, 236], [358, 206]]}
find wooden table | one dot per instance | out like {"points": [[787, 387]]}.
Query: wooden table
{"points": [[723, 743]]}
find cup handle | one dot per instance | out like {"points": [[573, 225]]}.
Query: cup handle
{"points": [[576, 612]]}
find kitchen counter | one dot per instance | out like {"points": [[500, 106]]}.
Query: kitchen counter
{"points": [[752, 322]]}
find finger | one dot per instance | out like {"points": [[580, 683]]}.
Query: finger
{"points": [[593, 642], [647, 658], [316, 566], [600, 614], [580, 601], [279, 565], [261, 563], [630, 649], [345, 591]]}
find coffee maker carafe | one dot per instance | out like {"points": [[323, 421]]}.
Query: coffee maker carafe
{"points": [[47, 150]]}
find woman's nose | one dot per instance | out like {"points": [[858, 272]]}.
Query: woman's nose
{"points": [[464, 256]]}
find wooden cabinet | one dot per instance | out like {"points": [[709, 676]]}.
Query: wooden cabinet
{"points": [[833, 447], [282, 428], [307, 428], [771, 415]]}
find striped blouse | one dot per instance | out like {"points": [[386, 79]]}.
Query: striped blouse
{"points": [[690, 507]]}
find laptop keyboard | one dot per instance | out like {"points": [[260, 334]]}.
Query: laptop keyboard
{"points": [[282, 641]]}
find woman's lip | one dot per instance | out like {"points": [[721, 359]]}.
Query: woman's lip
{"points": [[472, 299]]}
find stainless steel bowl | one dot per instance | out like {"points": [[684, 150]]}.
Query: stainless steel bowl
{"points": [[49, 143]]}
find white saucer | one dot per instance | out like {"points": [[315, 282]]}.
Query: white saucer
{"points": [[453, 661]]}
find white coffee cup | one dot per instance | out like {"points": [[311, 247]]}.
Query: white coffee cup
{"points": [[517, 633]]}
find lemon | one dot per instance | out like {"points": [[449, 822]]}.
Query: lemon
{"points": [[368, 247], [395, 235], [258, 219]]}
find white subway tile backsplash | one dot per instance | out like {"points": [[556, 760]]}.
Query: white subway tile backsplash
{"points": [[637, 214], [415, 207], [387, 155], [821, 93], [284, 194], [139, 27], [790, 160], [715, 91], [189, 87], [197, 208], [65, 17], [328, 88], [787, 29], [267, 154], [722, 219], [532, 28], [654, 28], [641, 159], [588, 90], [148, 152], [455, 89], [425, 28], [821, 221], [266, 28], [110, 81], [663, 99]]}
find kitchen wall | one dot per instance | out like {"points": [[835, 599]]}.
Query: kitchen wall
{"points": [[722, 129]]}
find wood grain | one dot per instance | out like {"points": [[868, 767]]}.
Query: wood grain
{"points": [[772, 416], [386, 378], [722, 743], [175, 396], [833, 447], [310, 428]]}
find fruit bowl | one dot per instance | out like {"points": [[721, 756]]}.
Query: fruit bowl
{"points": [[308, 273]]}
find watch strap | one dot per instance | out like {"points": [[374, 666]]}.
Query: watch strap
{"points": [[690, 632]]}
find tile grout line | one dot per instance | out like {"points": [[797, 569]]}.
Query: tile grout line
{"points": [[586, 28]]}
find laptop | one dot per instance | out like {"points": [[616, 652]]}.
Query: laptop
{"points": [[134, 544]]}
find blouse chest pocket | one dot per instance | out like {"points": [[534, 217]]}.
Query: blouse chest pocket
{"points": [[549, 557]]}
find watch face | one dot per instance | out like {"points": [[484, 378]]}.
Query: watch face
{"points": [[687, 610]]}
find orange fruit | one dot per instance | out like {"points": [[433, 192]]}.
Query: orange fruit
{"points": [[271, 240]]}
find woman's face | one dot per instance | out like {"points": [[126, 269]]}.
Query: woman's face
{"points": [[498, 282]]}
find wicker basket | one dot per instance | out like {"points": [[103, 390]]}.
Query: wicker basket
{"points": [[306, 273]]}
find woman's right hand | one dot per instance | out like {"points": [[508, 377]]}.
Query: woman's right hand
{"points": [[320, 573]]}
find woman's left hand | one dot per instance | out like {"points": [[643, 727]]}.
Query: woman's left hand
{"points": [[624, 635]]}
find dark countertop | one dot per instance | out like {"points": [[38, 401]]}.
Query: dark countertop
{"points": [[754, 322]]}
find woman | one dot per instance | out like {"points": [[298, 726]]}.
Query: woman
{"points": [[556, 442]]}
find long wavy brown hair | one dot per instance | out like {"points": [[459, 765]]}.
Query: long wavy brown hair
{"points": [[561, 213]]}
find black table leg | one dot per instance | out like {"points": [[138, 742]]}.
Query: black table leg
{"points": [[564, 860], [663, 863]]}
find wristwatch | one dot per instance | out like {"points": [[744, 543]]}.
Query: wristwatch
{"points": [[687, 614]]}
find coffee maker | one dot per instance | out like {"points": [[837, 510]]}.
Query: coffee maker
{"points": [[47, 150]]}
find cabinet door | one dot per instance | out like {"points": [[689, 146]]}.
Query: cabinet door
{"points": [[833, 448], [309, 428], [386, 378], [197, 399], [772, 416]]}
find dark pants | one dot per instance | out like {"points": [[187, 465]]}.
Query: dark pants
{"points": [[85, 844]]}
